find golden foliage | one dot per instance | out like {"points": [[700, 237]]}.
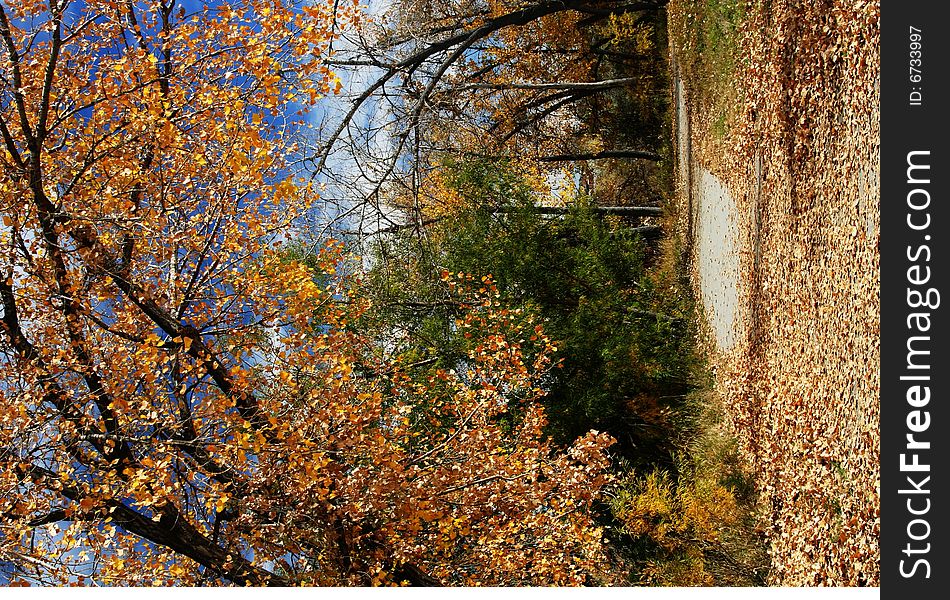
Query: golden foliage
{"points": [[181, 403], [681, 517]]}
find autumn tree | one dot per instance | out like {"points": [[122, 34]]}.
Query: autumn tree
{"points": [[622, 337], [485, 79], [182, 401]]}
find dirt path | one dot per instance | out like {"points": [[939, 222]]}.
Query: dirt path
{"points": [[785, 225], [715, 235]]}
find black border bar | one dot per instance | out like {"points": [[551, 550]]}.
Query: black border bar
{"points": [[915, 370]]}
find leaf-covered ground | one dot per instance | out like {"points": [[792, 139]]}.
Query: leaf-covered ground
{"points": [[798, 149]]}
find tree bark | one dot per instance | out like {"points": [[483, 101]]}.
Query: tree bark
{"points": [[647, 232], [624, 211], [561, 85], [580, 156]]}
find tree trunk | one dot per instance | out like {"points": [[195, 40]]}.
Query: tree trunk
{"points": [[562, 85], [623, 211], [599, 155]]}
